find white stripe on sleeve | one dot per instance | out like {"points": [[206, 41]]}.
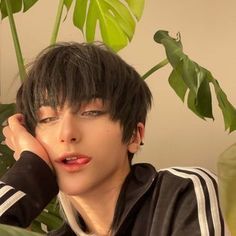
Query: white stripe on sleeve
{"points": [[213, 198], [4, 190], [11, 201], [200, 199]]}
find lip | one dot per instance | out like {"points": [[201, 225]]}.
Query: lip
{"points": [[74, 163]]}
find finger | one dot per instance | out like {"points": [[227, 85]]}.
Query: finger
{"points": [[18, 118], [16, 122], [5, 131], [10, 144], [8, 137]]}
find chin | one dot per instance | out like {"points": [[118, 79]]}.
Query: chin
{"points": [[70, 191], [73, 190]]}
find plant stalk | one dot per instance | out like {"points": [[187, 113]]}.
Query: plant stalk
{"points": [[18, 52], [57, 22], [155, 68]]}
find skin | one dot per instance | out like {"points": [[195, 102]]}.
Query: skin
{"points": [[93, 189]]}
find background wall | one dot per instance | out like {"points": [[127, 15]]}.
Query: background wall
{"points": [[174, 135]]}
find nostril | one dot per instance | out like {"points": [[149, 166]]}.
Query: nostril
{"points": [[70, 140], [73, 139]]}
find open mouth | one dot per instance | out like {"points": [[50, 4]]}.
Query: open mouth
{"points": [[70, 160], [75, 160]]}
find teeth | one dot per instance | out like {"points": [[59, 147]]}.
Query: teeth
{"points": [[71, 158]]}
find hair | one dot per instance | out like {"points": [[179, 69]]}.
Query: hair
{"points": [[76, 73]]}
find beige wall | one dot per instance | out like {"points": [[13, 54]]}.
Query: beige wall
{"points": [[174, 136]]}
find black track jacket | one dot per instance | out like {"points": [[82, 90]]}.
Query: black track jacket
{"points": [[168, 202]]}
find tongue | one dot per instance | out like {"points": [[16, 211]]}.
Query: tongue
{"points": [[82, 160]]}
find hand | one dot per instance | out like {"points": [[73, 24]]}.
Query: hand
{"points": [[19, 139]]}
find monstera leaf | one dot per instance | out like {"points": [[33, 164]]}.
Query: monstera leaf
{"points": [[7, 230], [116, 19], [187, 77], [49, 219], [16, 6]]}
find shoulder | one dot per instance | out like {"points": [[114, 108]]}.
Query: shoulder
{"points": [[199, 183], [195, 189], [198, 176]]}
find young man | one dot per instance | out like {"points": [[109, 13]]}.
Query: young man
{"points": [[82, 112]]}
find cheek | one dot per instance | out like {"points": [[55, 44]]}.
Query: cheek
{"points": [[110, 133], [112, 139], [44, 138]]}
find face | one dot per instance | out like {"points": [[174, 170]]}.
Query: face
{"points": [[84, 147]]}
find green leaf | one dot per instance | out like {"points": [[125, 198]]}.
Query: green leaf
{"points": [[173, 47], [80, 12], [6, 159], [68, 3], [197, 79], [187, 75], [188, 71], [112, 34], [91, 22], [203, 100], [192, 101], [226, 167], [122, 16], [177, 83], [49, 217], [7, 230], [5, 150], [52, 221], [28, 4], [6, 110], [228, 110], [136, 7], [117, 25], [16, 6]]}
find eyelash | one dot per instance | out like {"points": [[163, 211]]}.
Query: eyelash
{"points": [[92, 113], [48, 120]]}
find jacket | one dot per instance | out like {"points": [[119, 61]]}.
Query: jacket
{"points": [[168, 202]]}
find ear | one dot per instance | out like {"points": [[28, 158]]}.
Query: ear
{"points": [[137, 138]]}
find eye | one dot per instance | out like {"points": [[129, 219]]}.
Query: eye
{"points": [[92, 113], [47, 114], [47, 120]]}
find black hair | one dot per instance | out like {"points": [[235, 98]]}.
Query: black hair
{"points": [[76, 73]]}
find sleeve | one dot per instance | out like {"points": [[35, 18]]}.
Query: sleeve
{"points": [[197, 208], [25, 190]]}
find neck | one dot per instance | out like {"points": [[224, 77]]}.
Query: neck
{"points": [[97, 208]]}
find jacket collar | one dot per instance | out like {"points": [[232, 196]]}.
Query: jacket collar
{"points": [[136, 184]]}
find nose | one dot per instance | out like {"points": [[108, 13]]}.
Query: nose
{"points": [[68, 130]]}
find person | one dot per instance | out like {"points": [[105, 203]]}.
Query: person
{"points": [[81, 118]]}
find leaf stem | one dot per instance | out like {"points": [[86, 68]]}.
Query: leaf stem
{"points": [[155, 68], [57, 22], [18, 52]]}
